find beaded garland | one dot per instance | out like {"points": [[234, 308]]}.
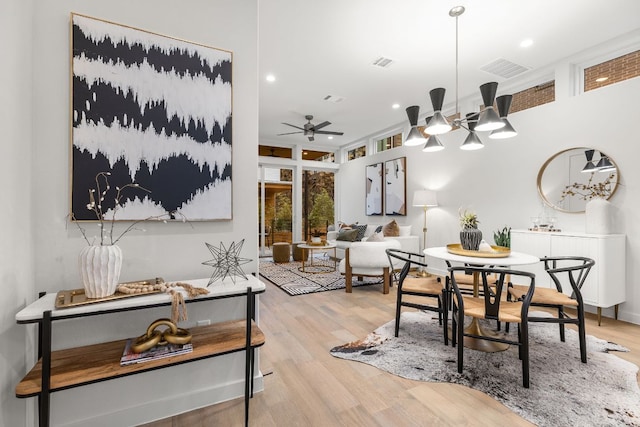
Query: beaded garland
{"points": [[178, 306]]}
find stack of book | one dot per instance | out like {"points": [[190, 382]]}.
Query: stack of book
{"points": [[154, 353]]}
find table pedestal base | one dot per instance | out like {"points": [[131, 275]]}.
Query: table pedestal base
{"points": [[479, 344]]}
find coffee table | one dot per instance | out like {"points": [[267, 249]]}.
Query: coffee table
{"points": [[316, 268]]}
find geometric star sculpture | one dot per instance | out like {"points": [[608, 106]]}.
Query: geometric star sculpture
{"points": [[226, 262]]}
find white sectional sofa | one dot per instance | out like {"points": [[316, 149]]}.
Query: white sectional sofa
{"points": [[407, 241]]}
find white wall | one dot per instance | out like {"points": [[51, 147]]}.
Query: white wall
{"points": [[39, 250], [16, 242], [499, 181]]}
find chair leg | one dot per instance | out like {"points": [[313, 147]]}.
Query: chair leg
{"points": [[524, 351], [460, 341], [385, 278], [398, 310], [561, 324], [348, 280], [582, 335], [445, 316]]}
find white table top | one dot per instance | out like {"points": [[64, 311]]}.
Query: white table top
{"points": [[514, 258], [35, 310]]}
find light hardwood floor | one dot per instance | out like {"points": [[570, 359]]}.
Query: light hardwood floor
{"points": [[306, 386]]}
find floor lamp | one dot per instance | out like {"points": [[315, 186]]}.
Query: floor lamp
{"points": [[424, 199]]}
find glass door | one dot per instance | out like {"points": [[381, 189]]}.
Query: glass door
{"points": [[317, 203], [275, 213]]}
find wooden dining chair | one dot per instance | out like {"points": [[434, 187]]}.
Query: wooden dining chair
{"points": [[491, 304], [568, 274], [430, 287]]}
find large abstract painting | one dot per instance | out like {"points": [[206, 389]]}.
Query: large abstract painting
{"points": [[374, 189], [153, 110], [395, 182]]}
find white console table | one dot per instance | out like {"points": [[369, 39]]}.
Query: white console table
{"points": [[605, 285], [84, 365]]}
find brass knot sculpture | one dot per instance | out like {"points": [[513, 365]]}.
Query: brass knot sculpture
{"points": [[157, 336]]}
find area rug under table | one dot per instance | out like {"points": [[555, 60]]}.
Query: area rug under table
{"points": [[563, 392], [288, 277]]}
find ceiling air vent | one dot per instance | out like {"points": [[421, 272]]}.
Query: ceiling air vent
{"points": [[333, 98], [503, 68], [382, 62]]}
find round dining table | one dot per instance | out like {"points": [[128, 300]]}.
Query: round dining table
{"points": [[475, 328]]}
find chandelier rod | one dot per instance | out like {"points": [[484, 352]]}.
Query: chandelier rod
{"points": [[456, 112]]}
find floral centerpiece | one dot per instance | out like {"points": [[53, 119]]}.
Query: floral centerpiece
{"points": [[470, 235], [101, 261]]}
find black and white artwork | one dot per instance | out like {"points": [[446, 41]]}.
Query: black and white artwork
{"points": [[374, 189], [395, 183], [153, 110]]}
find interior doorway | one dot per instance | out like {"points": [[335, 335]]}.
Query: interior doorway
{"points": [[275, 207], [317, 203]]}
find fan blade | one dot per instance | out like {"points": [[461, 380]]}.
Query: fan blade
{"points": [[321, 125], [311, 138], [290, 133], [328, 132], [293, 126]]}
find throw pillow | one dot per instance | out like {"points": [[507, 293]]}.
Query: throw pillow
{"points": [[375, 237], [391, 229], [361, 230], [405, 230], [347, 235]]}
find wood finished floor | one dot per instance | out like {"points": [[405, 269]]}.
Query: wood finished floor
{"points": [[306, 386]]}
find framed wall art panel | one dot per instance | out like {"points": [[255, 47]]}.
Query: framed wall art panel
{"points": [[153, 110], [395, 186], [374, 181]]}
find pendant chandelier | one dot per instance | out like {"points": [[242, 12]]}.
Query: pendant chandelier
{"points": [[487, 120]]}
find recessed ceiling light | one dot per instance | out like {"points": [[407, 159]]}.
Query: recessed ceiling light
{"points": [[395, 106], [330, 137], [271, 78], [602, 79], [526, 43]]}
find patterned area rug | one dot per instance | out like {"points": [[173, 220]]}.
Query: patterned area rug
{"points": [[288, 277], [564, 391]]}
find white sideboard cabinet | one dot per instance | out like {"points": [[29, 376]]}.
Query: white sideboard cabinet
{"points": [[605, 285]]}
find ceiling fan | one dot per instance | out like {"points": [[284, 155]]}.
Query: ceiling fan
{"points": [[309, 129]]}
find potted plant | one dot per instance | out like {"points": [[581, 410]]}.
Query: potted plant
{"points": [[503, 237], [470, 235]]}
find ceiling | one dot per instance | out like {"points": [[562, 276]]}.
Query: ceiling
{"points": [[320, 48]]}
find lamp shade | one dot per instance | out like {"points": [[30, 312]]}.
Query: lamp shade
{"points": [[504, 132], [425, 198], [605, 165], [414, 138], [433, 144]]}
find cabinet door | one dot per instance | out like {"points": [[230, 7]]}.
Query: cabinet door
{"points": [[533, 243], [580, 246]]}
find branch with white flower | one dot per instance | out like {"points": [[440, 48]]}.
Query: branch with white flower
{"points": [[98, 195]]}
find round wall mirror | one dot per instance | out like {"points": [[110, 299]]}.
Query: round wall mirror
{"points": [[570, 178]]}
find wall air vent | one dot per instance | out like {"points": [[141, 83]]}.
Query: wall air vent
{"points": [[333, 98], [382, 62], [503, 68]]}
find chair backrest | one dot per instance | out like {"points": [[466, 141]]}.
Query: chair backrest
{"points": [[571, 269], [371, 254], [491, 282], [405, 261]]}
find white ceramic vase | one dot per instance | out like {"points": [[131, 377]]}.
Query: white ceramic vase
{"points": [[100, 270], [598, 216]]}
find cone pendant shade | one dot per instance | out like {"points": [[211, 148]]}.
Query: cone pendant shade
{"points": [[438, 123], [489, 119], [415, 137]]}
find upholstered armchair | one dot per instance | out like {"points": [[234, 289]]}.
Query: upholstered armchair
{"points": [[368, 259]]}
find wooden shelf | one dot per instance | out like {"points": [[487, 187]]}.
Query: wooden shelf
{"points": [[79, 366]]}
